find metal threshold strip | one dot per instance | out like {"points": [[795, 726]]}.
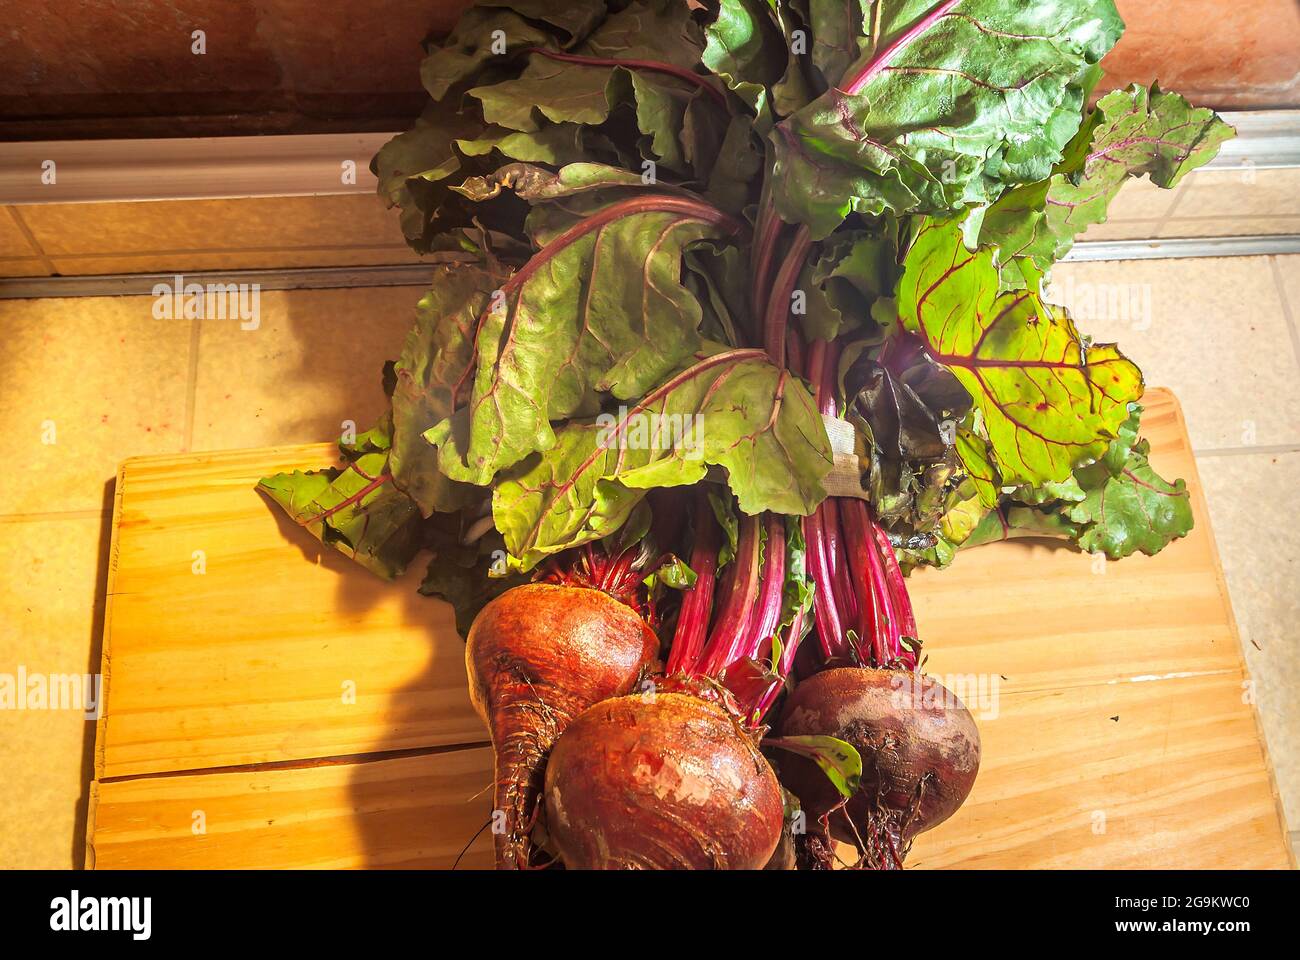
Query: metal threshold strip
{"points": [[417, 274], [1176, 247]]}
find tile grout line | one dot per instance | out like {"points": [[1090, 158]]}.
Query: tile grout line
{"points": [[1238, 216], [1260, 450], [30, 237], [1287, 312], [191, 385]]}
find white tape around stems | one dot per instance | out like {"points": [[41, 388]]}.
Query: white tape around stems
{"points": [[845, 478]]}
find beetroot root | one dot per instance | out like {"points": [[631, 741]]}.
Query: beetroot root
{"points": [[920, 754], [538, 656], [667, 781]]}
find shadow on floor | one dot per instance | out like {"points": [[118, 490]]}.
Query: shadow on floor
{"points": [[94, 666]]}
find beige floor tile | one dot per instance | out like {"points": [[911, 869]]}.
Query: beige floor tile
{"points": [[87, 383], [1247, 191], [1261, 560], [50, 620], [1122, 230], [1287, 271], [315, 360], [188, 261], [1212, 330], [13, 242], [215, 225], [24, 267], [1140, 199], [1229, 227]]}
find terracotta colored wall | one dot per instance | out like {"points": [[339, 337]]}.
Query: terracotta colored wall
{"points": [[125, 68], [1231, 54]]}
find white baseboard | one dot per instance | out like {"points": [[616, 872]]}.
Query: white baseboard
{"points": [[102, 171]]}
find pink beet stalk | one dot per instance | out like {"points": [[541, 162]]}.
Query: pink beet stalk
{"points": [[872, 619], [697, 603], [777, 309], [829, 628], [846, 598], [903, 619], [854, 84], [742, 595], [789, 647], [726, 648]]}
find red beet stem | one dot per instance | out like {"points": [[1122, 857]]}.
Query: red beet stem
{"points": [[763, 619], [742, 595], [697, 603], [767, 233], [902, 618], [652, 66], [777, 310], [789, 647], [872, 620]]}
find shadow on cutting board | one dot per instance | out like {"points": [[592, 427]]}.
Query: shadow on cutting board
{"points": [[449, 789], [415, 805]]}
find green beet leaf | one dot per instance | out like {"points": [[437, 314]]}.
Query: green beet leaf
{"points": [[467, 576], [746, 47], [839, 759], [492, 32], [732, 409], [1048, 400], [412, 166], [559, 90], [948, 104], [600, 309], [356, 510], [1133, 511], [1131, 132], [437, 355], [840, 34]]}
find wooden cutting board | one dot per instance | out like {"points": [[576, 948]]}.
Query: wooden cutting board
{"points": [[269, 704]]}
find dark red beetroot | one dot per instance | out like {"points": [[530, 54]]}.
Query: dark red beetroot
{"points": [[920, 754], [663, 781], [538, 656]]}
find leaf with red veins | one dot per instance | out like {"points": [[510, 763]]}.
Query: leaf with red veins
{"points": [[1133, 510], [949, 103], [1131, 133], [1048, 400], [355, 509], [599, 310], [438, 352], [973, 450], [734, 410]]}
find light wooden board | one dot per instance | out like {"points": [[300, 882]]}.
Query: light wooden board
{"points": [[416, 811], [227, 692]]}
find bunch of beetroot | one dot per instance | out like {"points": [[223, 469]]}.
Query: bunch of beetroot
{"points": [[711, 749], [738, 314]]}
